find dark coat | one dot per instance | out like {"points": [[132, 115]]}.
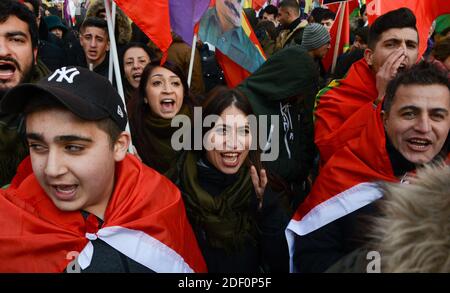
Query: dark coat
{"points": [[285, 86], [269, 253]]}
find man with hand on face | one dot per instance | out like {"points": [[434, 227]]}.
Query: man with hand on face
{"points": [[18, 50], [221, 27], [393, 46]]}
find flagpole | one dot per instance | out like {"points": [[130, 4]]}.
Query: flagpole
{"points": [[113, 51], [338, 36], [113, 18], [191, 62]]}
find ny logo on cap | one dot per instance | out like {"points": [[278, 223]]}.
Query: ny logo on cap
{"points": [[119, 111], [63, 73]]}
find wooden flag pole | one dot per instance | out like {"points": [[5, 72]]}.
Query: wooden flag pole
{"points": [[338, 35], [191, 62], [113, 51], [111, 68]]}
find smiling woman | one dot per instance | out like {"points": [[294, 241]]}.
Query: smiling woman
{"points": [[162, 94], [236, 215]]}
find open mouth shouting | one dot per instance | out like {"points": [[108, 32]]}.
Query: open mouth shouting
{"points": [[137, 77], [402, 67], [230, 159], [7, 70], [168, 105], [64, 192]]}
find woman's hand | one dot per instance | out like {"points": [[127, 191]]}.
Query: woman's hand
{"points": [[259, 182]]}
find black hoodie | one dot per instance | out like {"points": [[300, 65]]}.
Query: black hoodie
{"points": [[285, 85]]}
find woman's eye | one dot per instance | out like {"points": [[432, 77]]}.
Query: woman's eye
{"points": [[221, 130], [246, 131]]}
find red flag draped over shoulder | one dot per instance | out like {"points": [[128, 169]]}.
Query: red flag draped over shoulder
{"points": [[145, 220], [346, 182], [339, 101], [152, 17], [362, 160], [425, 12]]}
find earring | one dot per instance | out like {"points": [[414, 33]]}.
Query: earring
{"points": [[145, 101]]}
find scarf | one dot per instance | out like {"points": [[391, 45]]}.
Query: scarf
{"points": [[149, 228], [339, 102], [161, 156], [225, 218]]}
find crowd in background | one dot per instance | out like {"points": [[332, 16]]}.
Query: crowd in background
{"points": [[382, 115]]}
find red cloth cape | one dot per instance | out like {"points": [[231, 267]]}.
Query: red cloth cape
{"points": [[35, 236]]}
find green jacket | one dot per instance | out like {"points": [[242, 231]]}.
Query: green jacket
{"points": [[285, 86], [13, 148]]}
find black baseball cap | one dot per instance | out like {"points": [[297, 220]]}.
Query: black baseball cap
{"points": [[87, 94]]}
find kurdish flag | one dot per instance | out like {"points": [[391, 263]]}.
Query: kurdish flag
{"points": [[238, 51]]}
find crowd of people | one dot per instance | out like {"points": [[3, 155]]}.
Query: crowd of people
{"points": [[357, 157]]}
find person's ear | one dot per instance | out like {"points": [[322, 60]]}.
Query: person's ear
{"points": [[368, 56], [121, 146], [107, 46]]}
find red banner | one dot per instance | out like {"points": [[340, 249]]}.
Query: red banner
{"points": [[425, 12]]}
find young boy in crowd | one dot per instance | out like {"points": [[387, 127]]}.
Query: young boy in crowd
{"points": [[80, 194]]}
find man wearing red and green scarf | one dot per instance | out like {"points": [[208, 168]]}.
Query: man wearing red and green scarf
{"points": [[392, 47]]}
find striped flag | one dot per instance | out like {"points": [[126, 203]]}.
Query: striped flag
{"points": [[238, 50]]}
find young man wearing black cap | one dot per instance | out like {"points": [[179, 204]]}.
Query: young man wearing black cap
{"points": [[80, 194]]}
